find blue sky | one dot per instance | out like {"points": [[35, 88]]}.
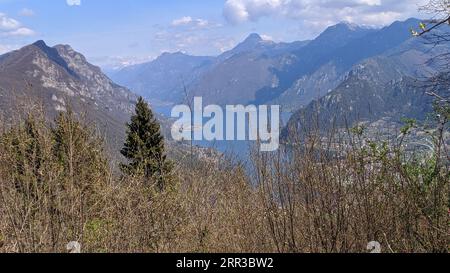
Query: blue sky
{"points": [[118, 32]]}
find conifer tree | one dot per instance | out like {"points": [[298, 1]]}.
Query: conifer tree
{"points": [[144, 147]]}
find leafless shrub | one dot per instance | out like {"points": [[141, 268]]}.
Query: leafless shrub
{"points": [[326, 194]]}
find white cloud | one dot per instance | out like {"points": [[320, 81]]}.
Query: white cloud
{"points": [[182, 21], [73, 2], [188, 21], [23, 31], [7, 23], [321, 12], [237, 11], [189, 34], [192, 42], [12, 27]]}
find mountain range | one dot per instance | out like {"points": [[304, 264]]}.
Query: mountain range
{"points": [[42, 79], [347, 73], [264, 72], [380, 91]]}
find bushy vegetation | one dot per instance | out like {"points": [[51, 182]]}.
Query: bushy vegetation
{"points": [[329, 194]]}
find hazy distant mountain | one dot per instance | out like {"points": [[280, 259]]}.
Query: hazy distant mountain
{"points": [[249, 63], [323, 66], [164, 78], [387, 87], [264, 72], [347, 71], [57, 77], [255, 44], [240, 73], [261, 71]]}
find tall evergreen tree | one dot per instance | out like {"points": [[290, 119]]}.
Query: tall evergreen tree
{"points": [[144, 147]]}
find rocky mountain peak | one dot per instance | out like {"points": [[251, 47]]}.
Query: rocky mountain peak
{"points": [[342, 32], [348, 26], [41, 44], [49, 53], [253, 38], [77, 62], [253, 42], [172, 55]]}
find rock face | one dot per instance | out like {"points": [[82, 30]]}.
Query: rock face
{"points": [[57, 78]]}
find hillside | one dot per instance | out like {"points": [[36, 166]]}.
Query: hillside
{"points": [[57, 78], [388, 87]]}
